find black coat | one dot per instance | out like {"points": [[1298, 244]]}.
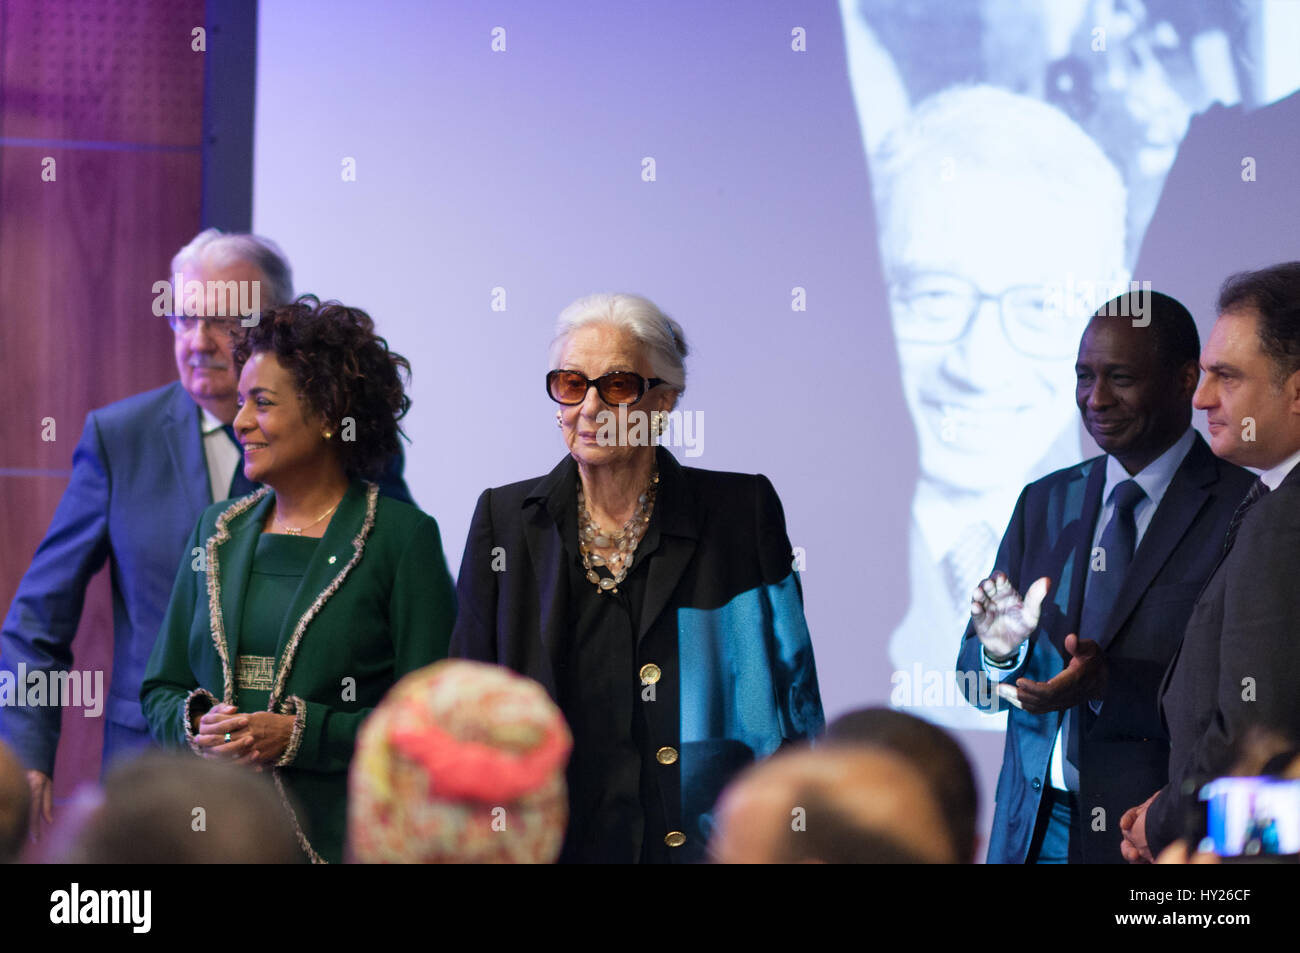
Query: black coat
{"points": [[722, 618], [1239, 663]]}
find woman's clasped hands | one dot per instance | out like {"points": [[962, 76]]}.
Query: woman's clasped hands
{"points": [[254, 738]]}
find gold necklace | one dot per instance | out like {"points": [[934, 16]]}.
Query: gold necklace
{"points": [[297, 530]]}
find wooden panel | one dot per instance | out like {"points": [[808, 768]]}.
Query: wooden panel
{"points": [[26, 505], [80, 256], [113, 93], [116, 70]]}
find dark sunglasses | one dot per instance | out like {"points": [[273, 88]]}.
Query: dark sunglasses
{"points": [[614, 388]]}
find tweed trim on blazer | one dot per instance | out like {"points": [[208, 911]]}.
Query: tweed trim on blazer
{"points": [[285, 662], [218, 627], [291, 705], [188, 714]]}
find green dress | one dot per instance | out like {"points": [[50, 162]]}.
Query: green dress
{"points": [[278, 567], [343, 617]]}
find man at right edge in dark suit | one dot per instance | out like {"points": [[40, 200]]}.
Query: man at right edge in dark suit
{"points": [[1124, 542], [1239, 662]]}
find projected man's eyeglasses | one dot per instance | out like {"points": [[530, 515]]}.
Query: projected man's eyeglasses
{"points": [[938, 308]]}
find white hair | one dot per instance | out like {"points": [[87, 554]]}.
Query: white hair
{"points": [[220, 248], [660, 335], [1022, 139]]}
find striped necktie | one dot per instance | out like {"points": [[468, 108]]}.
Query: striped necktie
{"points": [[1257, 489]]}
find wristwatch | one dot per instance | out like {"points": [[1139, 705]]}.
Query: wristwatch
{"points": [[1006, 663]]}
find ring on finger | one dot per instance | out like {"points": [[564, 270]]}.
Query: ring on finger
{"points": [[227, 737]]}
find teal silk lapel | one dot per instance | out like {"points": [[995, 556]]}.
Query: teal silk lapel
{"points": [[1077, 518]]}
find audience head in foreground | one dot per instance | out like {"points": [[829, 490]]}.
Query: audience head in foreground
{"points": [[171, 808], [839, 805], [462, 762], [15, 806], [930, 750]]}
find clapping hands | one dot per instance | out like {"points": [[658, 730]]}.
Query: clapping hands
{"points": [[1002, 618]]}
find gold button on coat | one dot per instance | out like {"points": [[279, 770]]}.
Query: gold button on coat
{"points": [[666, 755], [650, 673], [674, 838]]}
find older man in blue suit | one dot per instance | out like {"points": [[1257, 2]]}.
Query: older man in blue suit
{"points": [[1110, 555], [143, 471]]}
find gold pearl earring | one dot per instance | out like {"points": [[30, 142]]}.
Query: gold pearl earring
{"points": [[328, 434]]}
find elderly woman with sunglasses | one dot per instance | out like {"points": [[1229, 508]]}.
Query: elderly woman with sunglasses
{"points": [[656, 603]]}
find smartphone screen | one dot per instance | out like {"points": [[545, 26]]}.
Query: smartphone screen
{"points": [[1251, 817]]}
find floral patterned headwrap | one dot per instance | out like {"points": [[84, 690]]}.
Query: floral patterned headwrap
{"points": [[461, 762]]}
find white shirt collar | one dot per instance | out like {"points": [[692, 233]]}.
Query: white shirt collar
{"points": [[1273, 478], [210, 423], [1156, 476]]}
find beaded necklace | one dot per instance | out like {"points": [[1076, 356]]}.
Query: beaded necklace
{"points": [[624, 541]]}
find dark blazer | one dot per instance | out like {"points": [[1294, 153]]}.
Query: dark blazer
{"points": [[139, 482], [1239, 662], [722, 617], [1124, 750], [375, 603]]}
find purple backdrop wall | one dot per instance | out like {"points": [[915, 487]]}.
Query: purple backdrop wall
{"points": [[522, 170]]}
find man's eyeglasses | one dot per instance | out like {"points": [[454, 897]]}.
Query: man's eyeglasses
{"points": [[615, 388], [185, 323], [938, 308]]}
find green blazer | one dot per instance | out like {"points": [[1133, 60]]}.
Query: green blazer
{"points": [[375, 603]]}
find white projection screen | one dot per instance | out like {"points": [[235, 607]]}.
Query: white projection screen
{"points": [[772, 175]]}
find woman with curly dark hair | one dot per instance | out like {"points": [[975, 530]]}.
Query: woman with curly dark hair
{"points": [[298, 606]]}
